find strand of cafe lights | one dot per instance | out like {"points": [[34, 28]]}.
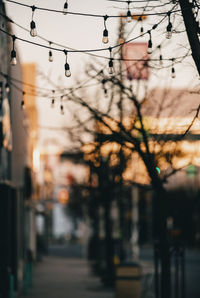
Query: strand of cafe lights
{"points": [[68, 48], [105, 34], [67, 67], [53, 96], [65, 11]]}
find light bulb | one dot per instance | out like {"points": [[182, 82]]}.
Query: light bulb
{"points": [[7, 87], [169, 31], [67, 70], [52, 102], [22, 104], [61, 109], [129, 17], [141, 31], [105, 36], [13, 60], [65, 8], [110, 67], [173, 74], [161, 60], [168, 34], [149, 50], [33, 31], [50, 56], [68, 73]]}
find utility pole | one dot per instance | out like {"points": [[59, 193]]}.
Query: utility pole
{"points": [[192, 30]]}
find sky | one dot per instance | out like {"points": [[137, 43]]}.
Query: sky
{"points": [[85, 33]]}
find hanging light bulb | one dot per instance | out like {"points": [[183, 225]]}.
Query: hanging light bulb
{"points": [[169, 27], [50, 53], [161, 60], [104, 87], [169, 31], [50, 56], [105, 31], [22, 104], [33, 31], [61, 106], [53, 99], [67, 70], [150, 45], [13, 60], [62, 109], [22, 101], [67, 67], [149, 50], [105, 36], [160, 56], [7, 87], [129, 17], [52, 103], [173, 74], [110, 66], [141, 30], [65, 8]]}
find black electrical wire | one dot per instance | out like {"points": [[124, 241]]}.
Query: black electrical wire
{"points": [[84, 14]]}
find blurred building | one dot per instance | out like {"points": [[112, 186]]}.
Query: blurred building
{"points": [[18, 137]]}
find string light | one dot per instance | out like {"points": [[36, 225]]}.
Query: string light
{"points": [[169, 27], [13, 60], [86, 51], [50, 54], [7, 87], [67, 67], [173, 74], [129, 17], [141, 28], [110, 63], [150, 45], [160, 56], [22, 101], [65, 8], [105, 32], [104, 87], [61, 106], [53, 99], [89, 14], [33, 31]]}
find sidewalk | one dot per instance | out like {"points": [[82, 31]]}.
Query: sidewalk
{"points": [[57, 277]]}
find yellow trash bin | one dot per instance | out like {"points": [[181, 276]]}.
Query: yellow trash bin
{"points": [[128, 281]]}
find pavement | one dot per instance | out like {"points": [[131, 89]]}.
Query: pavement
{"points": [[57, 277]]}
